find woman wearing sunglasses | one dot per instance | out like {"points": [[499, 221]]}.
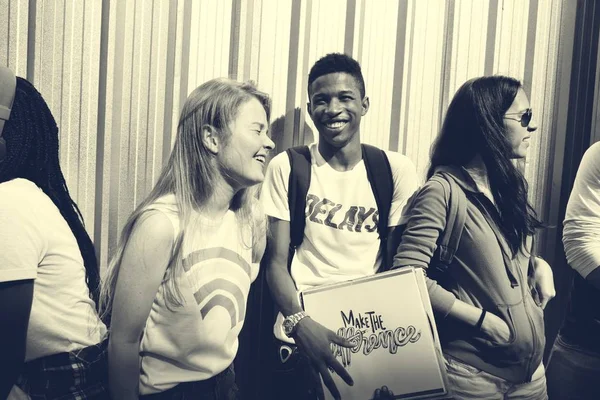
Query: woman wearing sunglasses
{"points": [[489, 300]]}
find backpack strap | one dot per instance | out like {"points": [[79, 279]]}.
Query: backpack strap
{"points": [[379, 173], [298, 184], [455, 221]]}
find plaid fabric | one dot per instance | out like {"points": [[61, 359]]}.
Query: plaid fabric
{"points": [[220, 387], [78, 375]]}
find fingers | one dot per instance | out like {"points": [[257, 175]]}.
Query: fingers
{"points": [[383, 394], [337, 339], [340, 370], [544, 298], [328, 381], [316, 379]]}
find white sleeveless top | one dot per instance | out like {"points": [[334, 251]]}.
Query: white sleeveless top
{"points": [[198, 340]]}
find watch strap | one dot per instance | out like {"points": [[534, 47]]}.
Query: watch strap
{"points": [[294, 319]]}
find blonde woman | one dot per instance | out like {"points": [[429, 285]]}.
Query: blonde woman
{"points": [[176, 290]]}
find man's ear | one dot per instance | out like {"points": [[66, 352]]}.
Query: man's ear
{"points": [[210, 139], [365, 105], [308, 108]]}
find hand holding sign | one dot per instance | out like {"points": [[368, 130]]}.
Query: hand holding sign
{"points": [[383, 394], [392, 346], [315, 341]]}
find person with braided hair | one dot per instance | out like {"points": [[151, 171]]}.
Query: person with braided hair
{"points": [[53, 341]]}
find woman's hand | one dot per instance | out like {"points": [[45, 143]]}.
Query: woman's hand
{"points": [[543, 282], [495, 329]]}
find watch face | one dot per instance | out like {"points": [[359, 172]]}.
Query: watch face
{"points": [[287, 326]]}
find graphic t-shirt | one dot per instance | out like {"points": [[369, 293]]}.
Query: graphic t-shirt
{"points": [[199, 339], [341, 241]]}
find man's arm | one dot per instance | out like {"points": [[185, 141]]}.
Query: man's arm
{"points": [[393, 241], [15, 307], [406, 182], [311, 337], [280, 282], [581, 234]]}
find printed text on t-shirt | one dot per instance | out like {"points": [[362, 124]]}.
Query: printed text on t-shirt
{"points": [[337, 216]]}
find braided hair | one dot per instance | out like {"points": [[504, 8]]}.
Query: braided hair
{"points": [[31, 136]]}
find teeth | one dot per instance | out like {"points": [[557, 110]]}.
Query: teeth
{"points": [[260, 159], [336, 125]]}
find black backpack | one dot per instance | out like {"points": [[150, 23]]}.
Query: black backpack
{"points": [[379, 173]]}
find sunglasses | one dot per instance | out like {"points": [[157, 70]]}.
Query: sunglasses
{"points": [[525, 117]]}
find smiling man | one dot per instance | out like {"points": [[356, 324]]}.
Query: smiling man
{"points": [[341, 240]]}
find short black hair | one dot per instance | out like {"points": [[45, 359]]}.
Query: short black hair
{"points": [[337, 62]]}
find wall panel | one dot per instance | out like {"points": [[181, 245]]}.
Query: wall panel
{"points": [[115, 74]]}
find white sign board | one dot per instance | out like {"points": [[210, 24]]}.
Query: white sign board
{"points": [[389, 318]]}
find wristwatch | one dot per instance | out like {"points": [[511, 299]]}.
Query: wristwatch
{"points": [[291, 321]]}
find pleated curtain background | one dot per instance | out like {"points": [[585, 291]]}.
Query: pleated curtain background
{"points": [[116, 72]]}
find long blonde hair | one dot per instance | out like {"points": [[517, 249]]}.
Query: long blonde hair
{"points": [[190, 175]]}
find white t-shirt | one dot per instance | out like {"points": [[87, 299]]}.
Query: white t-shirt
{"points": [[37, 243], [198, 340], [341, 241], [581, 234]]}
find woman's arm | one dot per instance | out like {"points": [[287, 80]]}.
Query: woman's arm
{"points": [[142, 269], [424, 224], [15, 307], [425, 221], [543, 282], [22, 248]]}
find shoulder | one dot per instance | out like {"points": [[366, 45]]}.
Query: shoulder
{"points": [[398, 160], [402, 167], [280, 162], [19, 197], [154, 229], [19, 191], [593, 150], [24, 234], [590, 163], [435, 187], [404, 174]]}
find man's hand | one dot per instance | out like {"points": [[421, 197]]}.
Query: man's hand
{"points": [[383, 394], [543, 282], [314, 340]]}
